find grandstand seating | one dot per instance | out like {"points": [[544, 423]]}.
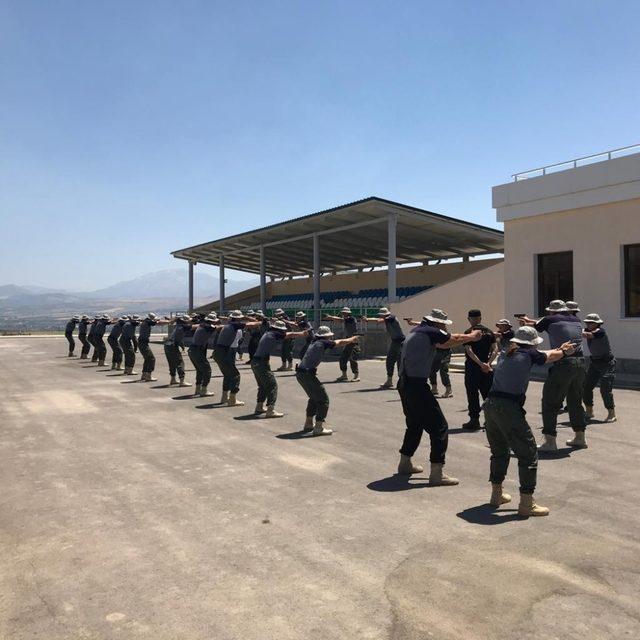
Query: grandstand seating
{"points": [[365, 299]]}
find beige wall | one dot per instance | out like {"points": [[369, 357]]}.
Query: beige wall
{"points": [[595, 235], [483, 290], [406, 277]]}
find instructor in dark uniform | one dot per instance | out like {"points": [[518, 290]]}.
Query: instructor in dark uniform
{"points": [[478, 374]]}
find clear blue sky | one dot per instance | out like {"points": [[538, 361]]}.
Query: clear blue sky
{"points": [[129, 129]]}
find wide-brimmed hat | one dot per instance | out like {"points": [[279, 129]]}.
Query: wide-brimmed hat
{"points": [[593, 317], [134, 317], [527, 335], [557, 306], [123, 318], [323, 332], [236, 313], [439, 316], [250, 313], [96, 317], [301, 314], [384, 311], [278, 312], [76, 318], [345, 310], [212, 317], [278, 324], [259, 314], [572, 306], [151, 316], [85, 317], [104, 317], [503, 321]]}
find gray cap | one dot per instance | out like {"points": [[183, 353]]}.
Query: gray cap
{"points": [[278, 324], [593, 317], [384, 311], [439, 316], [557, 306], [324, 332], [236, 313], [572, 306], [527, 335]]}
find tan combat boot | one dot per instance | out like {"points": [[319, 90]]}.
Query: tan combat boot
{"points": [[528, 507], [308, 424], [321, 430], [173, 382], [611, 416], [183, 383], [549, 444], [406, 466], [225, 397], [578, 441], [448, 393], [196, 391], [143, 377], [438, 478], [259, 408], [498, 496], [233, 401], [101, 363], [435, 391], [113, 366], [588, 411], [272, 413], [119, 366], [343, 378], [204, 392]]}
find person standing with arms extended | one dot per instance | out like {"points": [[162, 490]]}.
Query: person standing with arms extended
{"points": [[129, 344], [173, 348], [144, 338], [478, 374], [225, 356], [82, 336], [91, 338], [505, 422], [267, 382], [98, 338], [565, 378], [351, 350], [198, 353], [68, 334], [396, 340], [601, 368], [116, 350], [287, 346], [421, 409], [307, 377]]}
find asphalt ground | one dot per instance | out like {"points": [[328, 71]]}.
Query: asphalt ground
{"points": [[133, 510]]}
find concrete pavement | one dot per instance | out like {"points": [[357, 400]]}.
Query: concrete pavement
{"points": [[132, 510]]}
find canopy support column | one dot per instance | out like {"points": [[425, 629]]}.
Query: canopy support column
{"points": [[316, 279], [222, 283], [391, 252], [263, 281], [191, 263]]}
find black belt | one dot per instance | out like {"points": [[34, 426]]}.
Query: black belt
{"points": [[520, 399]]}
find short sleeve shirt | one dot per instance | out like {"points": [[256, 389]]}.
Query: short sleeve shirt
{"points": [[562, 328], [100, 325], [599, 346], [129, 330], [202, 334], [71, 325], [482, 348], [229, 333], [116, 330], [511, 373], [82, 328], [419, 350], [315, 353], [268, 343], [145, 329], [393, 328], [350, 327]]}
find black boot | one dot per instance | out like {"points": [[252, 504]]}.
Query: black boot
{"points": [[472, 425]]}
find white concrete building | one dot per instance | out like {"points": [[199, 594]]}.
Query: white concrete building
{"points": [[575, 234]]}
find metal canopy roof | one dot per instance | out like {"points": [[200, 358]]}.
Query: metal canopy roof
{"points": [[351, 236]]}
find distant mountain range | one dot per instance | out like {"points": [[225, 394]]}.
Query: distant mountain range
{"points": [[161, 291]]}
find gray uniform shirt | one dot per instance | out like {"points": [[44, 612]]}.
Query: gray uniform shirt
{"points": [[82, 328], [350, 327], [177, 335], [268, 343], [100, 326], [394, 329], [129, 330], [116, 330], [315, 353], [202, 334], [419, 349], [562, 328], [511, 373], [229, 332], [71, 325], [599, 346]]}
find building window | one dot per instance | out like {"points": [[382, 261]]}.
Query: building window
{"points": [[632, 280], [555, 278]]}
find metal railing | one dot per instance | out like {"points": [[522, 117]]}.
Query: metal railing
{"points": [[572, 164]]}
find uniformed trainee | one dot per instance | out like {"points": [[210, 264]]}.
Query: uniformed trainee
{"points": [[286, 354], [98, 337], [198, 353], [82, 336], [68, 334], [349, 355], [129, 344], [144, 339], [173, 349], [421, 409], [396, 340], [307, 377], [113, 340], [505, 422]]}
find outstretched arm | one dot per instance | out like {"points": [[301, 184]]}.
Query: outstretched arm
{"points": [[411, 322], [333, 318], [344, 341]]}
